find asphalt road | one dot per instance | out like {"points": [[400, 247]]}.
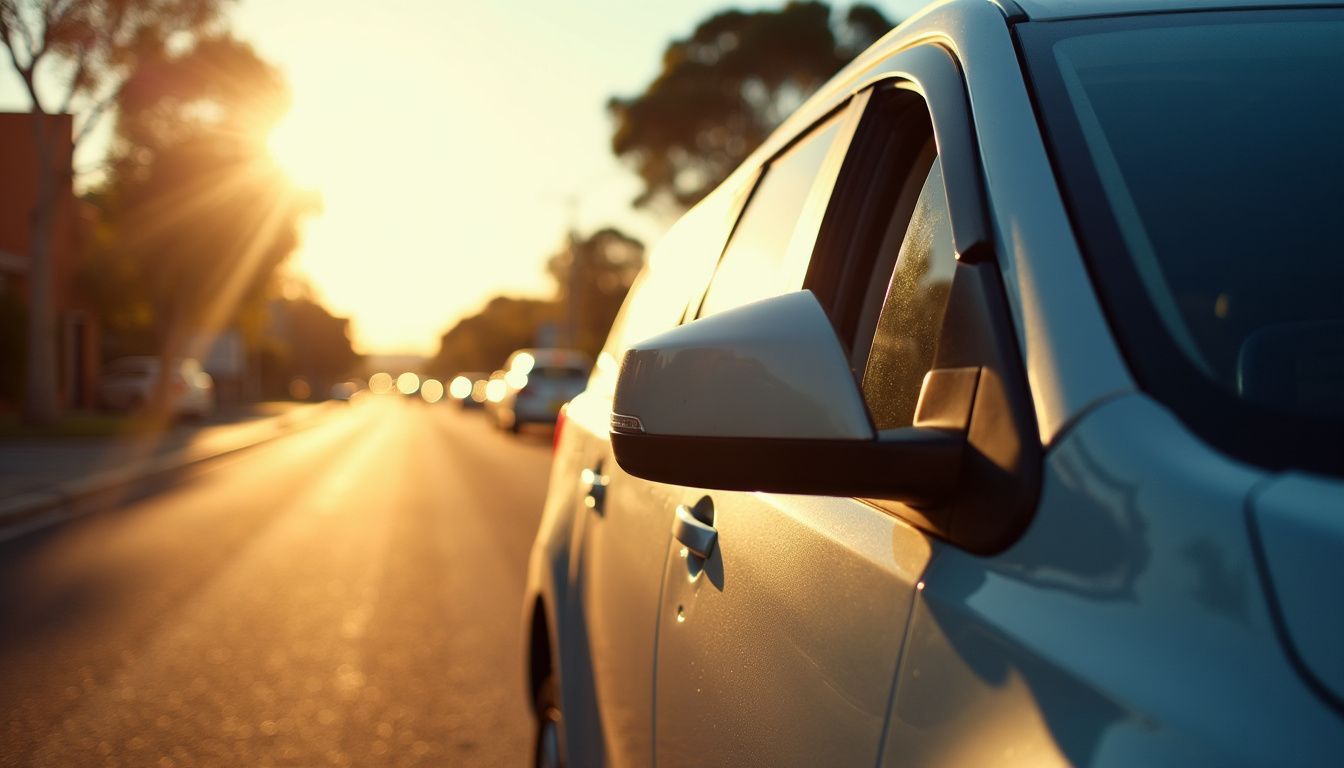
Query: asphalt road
{"points": [[348, 595]]}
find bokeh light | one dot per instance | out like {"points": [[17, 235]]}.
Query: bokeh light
{"points": [[523, 364], [516, 379], [408, 383], [431, 390], [460, 388], [300, 389], [380, 383], [495, 390]]}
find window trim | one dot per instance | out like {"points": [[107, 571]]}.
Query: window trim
{"points": [[813, 205]]}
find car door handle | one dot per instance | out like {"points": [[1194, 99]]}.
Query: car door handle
{"points": [[696, 535], [595, 497]]}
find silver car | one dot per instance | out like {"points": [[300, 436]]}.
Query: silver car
{"points": [[128, 383], [538, 382], [990, 413]]}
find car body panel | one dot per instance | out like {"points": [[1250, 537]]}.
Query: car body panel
{"points": [[1300, 522], [749, 673], [1126, 627], [616, 547]]}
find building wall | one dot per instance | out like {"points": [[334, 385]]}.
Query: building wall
{"points": [[77, 351]]}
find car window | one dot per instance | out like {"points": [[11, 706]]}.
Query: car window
{"points": [[679, 268], [754, 264], [905, 336], [1200, 156]]}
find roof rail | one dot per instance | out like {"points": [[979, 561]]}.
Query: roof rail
{"points": [[1011, 10]]}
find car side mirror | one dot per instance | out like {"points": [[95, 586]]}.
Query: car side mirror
{"points": [[761, 398]]}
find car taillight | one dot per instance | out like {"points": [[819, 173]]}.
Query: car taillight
{"points": [[559, 426]]}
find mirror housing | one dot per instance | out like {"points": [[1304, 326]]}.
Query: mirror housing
{"points": [[761, 398]]}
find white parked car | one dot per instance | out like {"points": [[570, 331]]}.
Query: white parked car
{"points": [[128, 383], [989, 414], [537, 383]]}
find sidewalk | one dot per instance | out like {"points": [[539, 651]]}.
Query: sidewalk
{"points": [[39, 474]]}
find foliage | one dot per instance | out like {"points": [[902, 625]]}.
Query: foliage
{"points": [[313, 345], [95, 45], [196, 215], [726, 87], [482, 341], [592, 277], [81, 51]]}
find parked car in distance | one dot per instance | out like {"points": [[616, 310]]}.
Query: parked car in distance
{"points": [[988, 414], [128, 383], [344, 391], [537, 383]]}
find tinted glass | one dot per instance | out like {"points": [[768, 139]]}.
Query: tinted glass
{"points": [[1218, 148], [752, 267], [1200, 160], [911, 319]]}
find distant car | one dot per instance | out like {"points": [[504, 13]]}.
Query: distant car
{"points": [[538, 382], [343, 391], [989, 414], [128, 383]]}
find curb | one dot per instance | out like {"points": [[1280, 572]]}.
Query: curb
{"points": [[26, 507]]}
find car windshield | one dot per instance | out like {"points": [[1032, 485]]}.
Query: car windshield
{"points": [[1202, 157]]}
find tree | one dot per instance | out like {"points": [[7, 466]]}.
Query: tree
{"points": [[592, 276], [73, 55], [726, 87], [482, 341], [312, 344], [197, 215]]}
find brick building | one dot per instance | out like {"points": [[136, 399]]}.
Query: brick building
{"points": [[77, 333]]}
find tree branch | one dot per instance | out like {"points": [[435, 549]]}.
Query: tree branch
{"points": [[8, 16], [77, 79], [25, 72], [56, 10], [95, 114], [19, 24]]}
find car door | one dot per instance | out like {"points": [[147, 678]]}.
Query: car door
{"points": [[780, 647], [617, 545], [622, 545]]}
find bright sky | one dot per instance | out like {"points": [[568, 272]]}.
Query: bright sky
{"points": [[450, 142]]}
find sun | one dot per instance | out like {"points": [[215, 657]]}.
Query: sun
{"points": [[300, 151]]}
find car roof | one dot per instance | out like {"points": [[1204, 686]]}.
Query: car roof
{"points": [[1013, 10], [1044, 10]]}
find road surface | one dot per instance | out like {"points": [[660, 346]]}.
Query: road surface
{"points": [[347, 595]]}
